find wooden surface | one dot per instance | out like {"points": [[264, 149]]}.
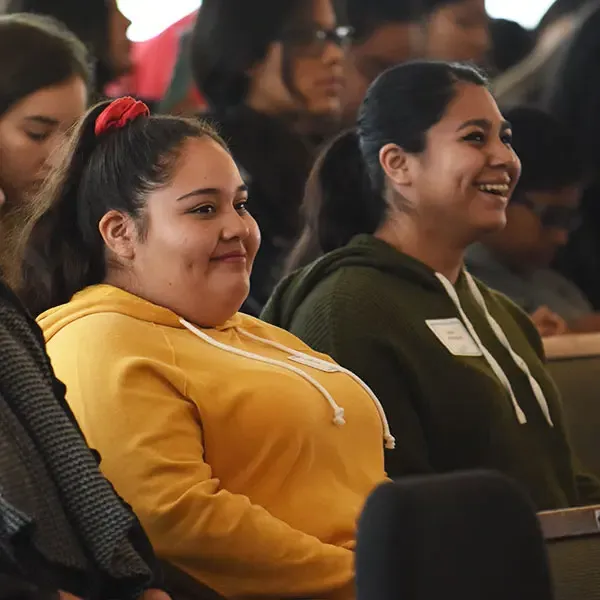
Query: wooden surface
{"points": [[572, 522], [572, 345]]}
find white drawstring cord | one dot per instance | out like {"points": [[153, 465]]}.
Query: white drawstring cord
{"points": [[390, 442], [535, 386], [494, 365], [338, 411]]}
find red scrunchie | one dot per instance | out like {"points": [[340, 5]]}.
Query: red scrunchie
{"points": [[118, 113]]}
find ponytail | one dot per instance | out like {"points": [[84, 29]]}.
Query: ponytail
{"points": [[339, 201], [58, 260]]}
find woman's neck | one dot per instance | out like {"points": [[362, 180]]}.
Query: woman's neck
{"points": [[424, 244]]}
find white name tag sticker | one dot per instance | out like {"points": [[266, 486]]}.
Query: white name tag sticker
{"points": [[454, 335]]}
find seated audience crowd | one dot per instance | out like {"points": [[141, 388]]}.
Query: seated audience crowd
{"points": [[220, 332]]}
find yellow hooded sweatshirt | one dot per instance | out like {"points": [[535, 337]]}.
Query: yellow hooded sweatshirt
{"points": [[246, 455]]}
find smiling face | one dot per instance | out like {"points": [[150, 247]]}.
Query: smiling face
{"points": [[31, 130], [461, 183], [195, 253]]}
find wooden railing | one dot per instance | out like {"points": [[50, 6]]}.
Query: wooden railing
{"points": [[575, 345]]}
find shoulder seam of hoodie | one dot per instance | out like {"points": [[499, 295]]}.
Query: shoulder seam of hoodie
{"points": [[169, 345]]}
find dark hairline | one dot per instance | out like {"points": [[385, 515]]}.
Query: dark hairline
{"points": [[50, 35]]}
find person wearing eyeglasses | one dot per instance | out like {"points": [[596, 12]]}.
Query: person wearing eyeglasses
{"points": [[273, 75], [542, 213]]}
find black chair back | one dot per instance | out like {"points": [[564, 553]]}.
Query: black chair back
{"points": [[466, 535]]}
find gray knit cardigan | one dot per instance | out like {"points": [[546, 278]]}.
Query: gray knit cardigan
{"points": [[61, 523]]}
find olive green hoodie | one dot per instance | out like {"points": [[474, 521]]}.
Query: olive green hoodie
{"points": [[451, 386]]}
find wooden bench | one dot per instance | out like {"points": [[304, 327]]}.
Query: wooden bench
{"points": [[574, 363], [573, 545]]}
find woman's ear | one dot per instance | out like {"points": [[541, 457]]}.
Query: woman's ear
{"points": [[395, 164], [119, 232]]}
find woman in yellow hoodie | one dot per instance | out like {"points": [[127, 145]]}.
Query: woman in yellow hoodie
{"points": [[246, 455]]}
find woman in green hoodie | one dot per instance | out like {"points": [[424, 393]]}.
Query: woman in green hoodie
{"points": [[394, 205]]}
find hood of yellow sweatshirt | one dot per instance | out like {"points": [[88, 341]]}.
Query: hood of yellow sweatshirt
{"points": [[109, 299]]}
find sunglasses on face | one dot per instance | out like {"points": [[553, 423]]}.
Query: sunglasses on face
{"points": [[312, 41], [551, 216]]}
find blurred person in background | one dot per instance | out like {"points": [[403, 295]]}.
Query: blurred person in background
{"points": [[557, 17], [181, 96], [511, 43], [543, 211], [452, 30], [273, 75], [526, 81], [161, 71], [99, 24], [382, 38], [44, 78], [388, 32], [573, 96]]}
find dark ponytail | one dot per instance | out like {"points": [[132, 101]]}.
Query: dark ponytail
{"points": [[339, 202], [65, 251], [346, 192]]}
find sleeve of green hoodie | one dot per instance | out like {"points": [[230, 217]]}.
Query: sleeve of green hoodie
{"points": [[588, 486], [374, 360]]}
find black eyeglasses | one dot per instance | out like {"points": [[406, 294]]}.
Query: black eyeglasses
{"points": [[312, 41], [551, 216]]}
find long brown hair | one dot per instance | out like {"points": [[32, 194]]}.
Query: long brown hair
{"points": [[36, 52]]}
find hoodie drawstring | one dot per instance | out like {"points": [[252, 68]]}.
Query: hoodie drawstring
{"points": [[493, 363], [305, 359]]}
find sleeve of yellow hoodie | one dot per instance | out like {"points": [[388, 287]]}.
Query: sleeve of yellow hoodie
{"points": [[132, 411]]}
